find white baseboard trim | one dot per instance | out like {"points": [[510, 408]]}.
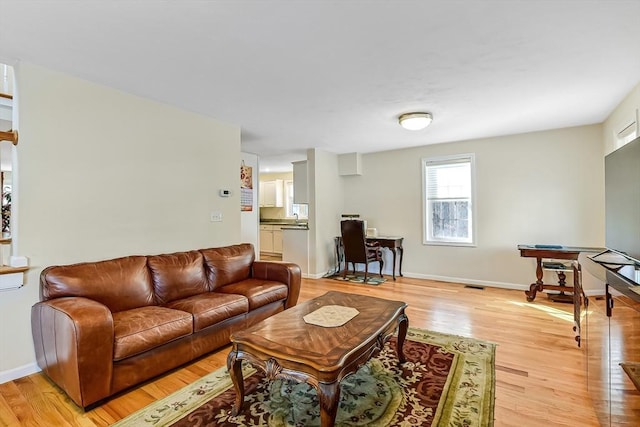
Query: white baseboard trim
{"points": [[502, 285], [446, 279], [313, 276], [464, 281], [19, 372], [594, 292]]}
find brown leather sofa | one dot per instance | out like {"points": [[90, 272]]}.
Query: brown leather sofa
{"points": [[102, 327]]}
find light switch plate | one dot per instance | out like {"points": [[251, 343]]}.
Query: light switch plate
{"points": [[216, 216]]}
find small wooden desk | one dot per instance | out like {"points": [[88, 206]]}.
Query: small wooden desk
{"points": [[554, 252], [393, 243]]}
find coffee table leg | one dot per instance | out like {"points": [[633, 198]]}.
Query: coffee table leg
{"points": [[403, 325], [329, 396], [234, 366]]}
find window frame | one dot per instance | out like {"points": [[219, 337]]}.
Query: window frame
{"points": [[288, 202], [426, 225]]}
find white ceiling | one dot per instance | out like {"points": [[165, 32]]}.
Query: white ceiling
{"points": [[335, 75]]}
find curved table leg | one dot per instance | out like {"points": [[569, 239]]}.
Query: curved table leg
{"points": [[328, 396], [395, 255], [403, 325], [533, 289], [539, 285], [338, 243], [393, 268], [234, 366]]}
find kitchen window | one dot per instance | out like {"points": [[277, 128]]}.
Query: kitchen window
{"points": [[293, 210], [448, 197]]}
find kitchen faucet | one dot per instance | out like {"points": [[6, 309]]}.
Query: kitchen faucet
{"points": [[296, 215]]}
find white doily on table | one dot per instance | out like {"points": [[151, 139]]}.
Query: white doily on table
{"points": [[331, 316]]}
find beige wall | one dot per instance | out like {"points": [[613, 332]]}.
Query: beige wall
{"points": [[543, 187], [104, 174], [326, 204]]}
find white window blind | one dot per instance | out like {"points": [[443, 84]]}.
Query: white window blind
{"points": [[448, 196]]}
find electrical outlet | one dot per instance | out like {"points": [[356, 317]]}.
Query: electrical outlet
{"points": [[216, 216]]}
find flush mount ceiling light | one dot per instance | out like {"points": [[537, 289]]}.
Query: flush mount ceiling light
{"points": [[415, 121]]}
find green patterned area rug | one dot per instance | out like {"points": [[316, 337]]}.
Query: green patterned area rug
{"points": [[359, 278], [447, 381]]}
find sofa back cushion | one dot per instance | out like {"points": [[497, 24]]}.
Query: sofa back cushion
{"points": [[178, 275], [228, 264], [120, 284]]}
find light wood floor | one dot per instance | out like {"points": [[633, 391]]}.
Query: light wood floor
{"points": [[540, 375]]}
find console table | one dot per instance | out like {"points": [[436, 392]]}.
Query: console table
{"points": [[393, 243], [539, 252]]}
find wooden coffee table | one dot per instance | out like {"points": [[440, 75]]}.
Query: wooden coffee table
{"points": [[285, 346]]}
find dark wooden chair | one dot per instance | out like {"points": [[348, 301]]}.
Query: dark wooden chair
{"points": [[356, 248]]}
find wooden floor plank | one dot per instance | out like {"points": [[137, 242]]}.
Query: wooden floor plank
{"points": [[7, 417], [540, 372]]}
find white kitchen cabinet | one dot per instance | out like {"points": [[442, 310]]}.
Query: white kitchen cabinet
{"points": [[300, 182], [271, 239], [261, 194], [271, 194], [266, 238], [277, 240]]}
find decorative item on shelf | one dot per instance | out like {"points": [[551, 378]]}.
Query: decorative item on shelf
{"points": [[6, 210], [555, 265], [9, 135]]}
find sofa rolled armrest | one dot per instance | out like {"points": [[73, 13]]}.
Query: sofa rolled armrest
{"points": [[284, 272], [74, 339]]}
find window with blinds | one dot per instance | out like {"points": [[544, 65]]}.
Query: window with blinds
{"points": [[448, 200], [294, 210]]}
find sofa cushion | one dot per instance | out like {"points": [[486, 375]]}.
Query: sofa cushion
{"points": [[259, 292], [120, 284], [145, 328], [211, 308], [228, 264], [178, 275]]}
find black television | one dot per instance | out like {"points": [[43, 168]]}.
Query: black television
{"points": [[622, 200]]}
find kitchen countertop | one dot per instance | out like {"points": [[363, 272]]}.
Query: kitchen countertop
{"points": [[296, 227], [288, 224]]}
